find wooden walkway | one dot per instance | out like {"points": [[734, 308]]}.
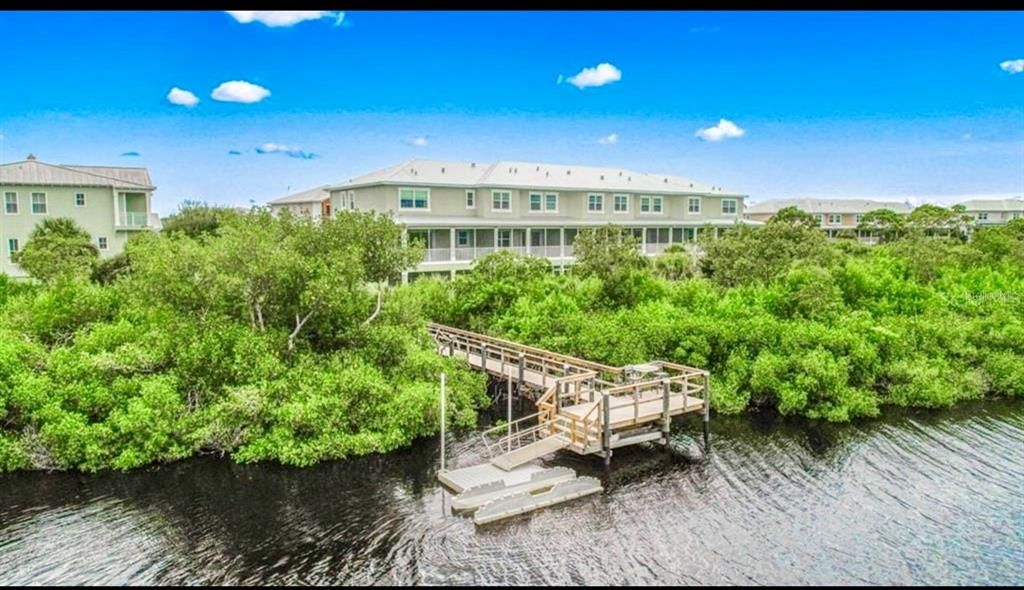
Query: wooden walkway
{"points": [[582, 406]]}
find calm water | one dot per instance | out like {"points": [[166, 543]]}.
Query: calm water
{"points": [[924, 498]]}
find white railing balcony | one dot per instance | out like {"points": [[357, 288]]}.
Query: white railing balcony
{"points": [[464, 253], [546, 251], [134, 219], [437, 255], [656, 248]]}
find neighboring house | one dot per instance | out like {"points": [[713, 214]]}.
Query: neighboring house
{"points": [[314, 202], [108, 202], [463, 210], [994, 211], [834, 215]]}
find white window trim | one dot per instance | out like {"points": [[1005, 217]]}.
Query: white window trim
{"points": [[602, 209], [838, 216], [626, 210], [982, 215], [458, 235], [413, 208], [529, 203], [17, 247], [509, 210], [640, 208], [85, 199], [470, 192], [558, 203], [700, 206], [31, 202], [735, 206], [503, 231], [352, 200], [102, 240], [17, 203]]}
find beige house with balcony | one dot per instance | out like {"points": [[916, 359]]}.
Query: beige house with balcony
{"points": [[464, 210], [833, 215], [108, 202], [994, 211], [315, 203]]}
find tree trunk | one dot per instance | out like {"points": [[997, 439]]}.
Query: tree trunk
{"points": [[380, 296], [298, 326]]}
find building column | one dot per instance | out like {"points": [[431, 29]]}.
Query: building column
{"points": [[528, 243], [643, 241], [405, 242], [117, 208], [475, 237], [451, 245], [561, 252]]}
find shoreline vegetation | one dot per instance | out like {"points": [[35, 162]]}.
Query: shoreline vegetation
{"points": [[277, 338]]}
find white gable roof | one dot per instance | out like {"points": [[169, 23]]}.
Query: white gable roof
{"points": [[1013, 204]]}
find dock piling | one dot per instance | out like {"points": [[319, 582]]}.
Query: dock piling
{"points": [[707, 412]]}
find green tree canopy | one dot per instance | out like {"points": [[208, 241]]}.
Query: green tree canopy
{"points": [[794, 216], [196, 219], [57, 247], [885, 223]]}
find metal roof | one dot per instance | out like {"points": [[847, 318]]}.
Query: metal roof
{"points": [[1013, 204], [33, 172], [828, 206], [313, 195], [507, 174]]}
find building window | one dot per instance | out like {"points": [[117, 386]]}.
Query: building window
{"points": [[535, 202], [729, 206], [860, 217], [462, 237], [352, 199], [595, 203], [551, 202], [102, 243], [504, 237], [645, 204], [819, 218], [414, 198], [79, 199], [693, 205], [983, 216], [470, 199], [12, 247], [501, 201], [620, 203], [834, 219], [11, 203], [39, 203]]}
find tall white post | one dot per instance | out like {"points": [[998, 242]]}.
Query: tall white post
{"points": [[509, 396], [451, 244], [442, 421]]}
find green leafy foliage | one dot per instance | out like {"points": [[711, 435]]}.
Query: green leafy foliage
{"points": [[263, 338]]}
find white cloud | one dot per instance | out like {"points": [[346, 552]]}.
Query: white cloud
{"points": [[288, 150], [418, 141], [609, 139], [182, 97], [1014, 66], [724, 130], [239, 91], [600, 75], [284, 18]]}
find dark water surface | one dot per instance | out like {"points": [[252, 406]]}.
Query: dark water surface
{"points": [[923, 498]]}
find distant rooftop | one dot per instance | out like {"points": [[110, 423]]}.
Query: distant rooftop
{"points": [[1011, 204], [313, 195], [507, 174], [830, 205], [31, 171]]}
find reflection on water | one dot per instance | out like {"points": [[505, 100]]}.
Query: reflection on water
{"points": [[923, 498]]}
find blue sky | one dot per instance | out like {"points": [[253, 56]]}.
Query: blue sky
{"points": [[829, 104]]}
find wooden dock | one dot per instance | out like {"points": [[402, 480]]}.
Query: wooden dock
{"points": [[582, 406]]}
